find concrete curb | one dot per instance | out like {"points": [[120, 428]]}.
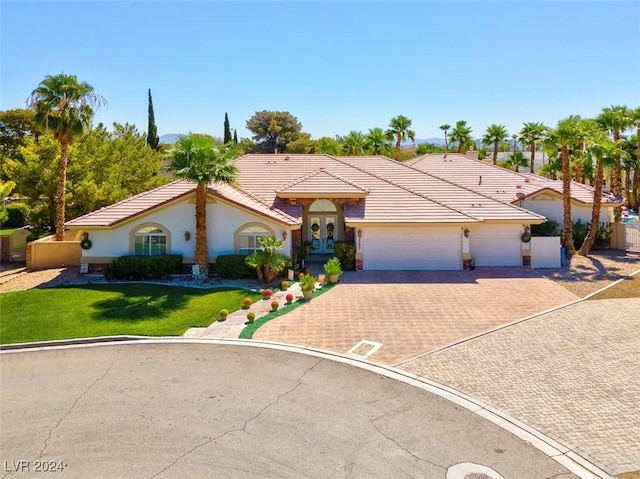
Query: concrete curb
{"points": [[561, 454]]}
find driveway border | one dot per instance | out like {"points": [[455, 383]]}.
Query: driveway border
{"points": [[556, 451]]}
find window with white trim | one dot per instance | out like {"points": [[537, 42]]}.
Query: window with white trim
{"points": [[150, 241], [249, 239]]}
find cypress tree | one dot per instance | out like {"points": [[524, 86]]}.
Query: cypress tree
{"points": [[235, 136], [152, 132], [227, 130]]}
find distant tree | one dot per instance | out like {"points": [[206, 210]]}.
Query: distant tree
{"points": [[304, 144], [235, 137], [354, 144], [531, 134], [461, 135], [327, 145], [635, 186], [399, 130], [616, 120], [495, 134], [200, 160], [14, 126], [376, 142], [152, 131], [227, 130], [425, 148], [273, 130], [516, 160], [5, 190], [445, 128], [65, 107]]}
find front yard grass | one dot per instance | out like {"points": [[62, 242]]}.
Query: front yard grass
{"points": [[112, 309], [7, 231]]}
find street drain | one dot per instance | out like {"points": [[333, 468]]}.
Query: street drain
{"points": [[365, 348]]}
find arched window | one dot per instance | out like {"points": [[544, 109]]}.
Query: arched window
{"points": [[248, 237], [150, 241], [322, 206]]}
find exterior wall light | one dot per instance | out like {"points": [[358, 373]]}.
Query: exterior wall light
{"points": [[284, 235], [466, 232], [187, 236]]}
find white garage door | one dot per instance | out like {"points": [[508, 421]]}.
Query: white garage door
{"points": [[407, 248], [496, 245]]}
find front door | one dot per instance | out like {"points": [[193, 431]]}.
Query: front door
{"points": [[323, 233]]}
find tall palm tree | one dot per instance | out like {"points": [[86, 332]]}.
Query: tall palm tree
{"points": [[445, 128], [376, 142], [616, 120], [517, 159], [399, 131], [605, 151], [531, 133], [461, 135], [494, 136], [635, 200], [566, 137], [354, 143], [200, 159], [65, 107]]}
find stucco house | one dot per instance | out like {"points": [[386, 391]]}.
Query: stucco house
{"points": [[400, 216]]}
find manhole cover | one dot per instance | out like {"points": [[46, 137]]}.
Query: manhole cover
{"points": [[365, 348]]}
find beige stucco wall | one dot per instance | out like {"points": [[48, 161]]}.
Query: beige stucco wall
{"points": [[552, 210], [47, 253], [223, 220]]}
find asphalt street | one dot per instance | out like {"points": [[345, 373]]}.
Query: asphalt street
{"points": [[206, 410]]}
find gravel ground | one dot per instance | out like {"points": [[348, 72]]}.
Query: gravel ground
{"points": [[582, 275]]}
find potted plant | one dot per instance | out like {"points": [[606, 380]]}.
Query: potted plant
{"points": [[251, 316], [307, 285], [333, 269], [223, 314], [289, 298]]}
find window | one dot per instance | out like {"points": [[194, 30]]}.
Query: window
{"points": [[150, 241], [249, 238]]}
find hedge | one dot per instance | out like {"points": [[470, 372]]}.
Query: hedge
{"points": [[143, 267], [18, 215], [233, 266]]}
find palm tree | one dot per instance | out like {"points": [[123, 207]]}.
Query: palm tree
{"points": [[445, 128], [461, 134], [399, 130], [65, 107], [495, 134], [200, 159], [517, 159], [354, 143], [616, 120], [605, 151], [635, 201], [531, 133], [566, 137], [376, 142]]}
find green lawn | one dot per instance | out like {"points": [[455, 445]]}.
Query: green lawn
{"points": [[7, 231], [111, 309]]}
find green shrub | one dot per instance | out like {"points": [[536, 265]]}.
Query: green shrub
{"points": [[284, 285], [274, 305], [550, 228], [143, 267], [603, 235], [251, 316], [346, 253], [580, 231], [223, 314], [247, 303], [17, 215], [332, 267], [233, 266]]}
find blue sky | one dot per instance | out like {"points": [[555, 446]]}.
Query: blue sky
{"points": [[336, 66]]}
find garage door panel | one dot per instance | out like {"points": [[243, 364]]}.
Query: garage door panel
{"points": [[412, 249], [496, 245]]}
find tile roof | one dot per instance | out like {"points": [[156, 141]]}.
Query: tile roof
{"points": [[495, 181], [150, 200], [396, 193], [322, 182]]}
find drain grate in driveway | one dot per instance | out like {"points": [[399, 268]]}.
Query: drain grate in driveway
{"points": [[365, 348]]}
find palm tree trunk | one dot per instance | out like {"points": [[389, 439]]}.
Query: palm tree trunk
{"points": [[627, 184], [595, 212], [636, 177], [398, 147], [446, 143], [201, 229], [533, 156], [566, 201], [62, 187], [616, 181], [495, 152]]}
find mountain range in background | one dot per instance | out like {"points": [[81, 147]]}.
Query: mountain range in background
{"points": [[168, 139]]}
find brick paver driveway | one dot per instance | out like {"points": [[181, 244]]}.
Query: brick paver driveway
{"points": [[412, 312], [573, 374]]}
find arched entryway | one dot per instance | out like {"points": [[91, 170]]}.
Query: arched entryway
{"points": [[322, 226]]}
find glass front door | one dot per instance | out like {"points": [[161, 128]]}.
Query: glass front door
{"points": [[323, 233]]}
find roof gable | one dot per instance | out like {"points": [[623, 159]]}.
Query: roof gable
{"points": [[324, 183]]}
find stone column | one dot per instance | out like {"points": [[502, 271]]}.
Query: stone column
{"points": [[526, 248]]}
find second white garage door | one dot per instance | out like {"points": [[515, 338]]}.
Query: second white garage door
{"points": [[412, 248], [496, 245]]}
